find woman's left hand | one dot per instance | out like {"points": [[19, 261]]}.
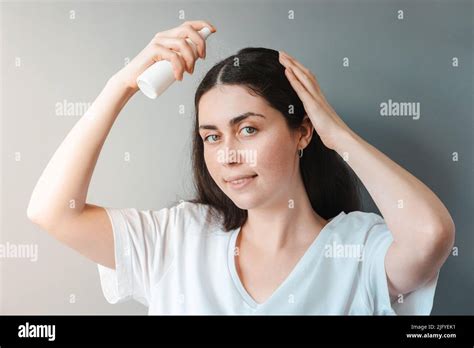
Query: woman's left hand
{"points": [[324, 118]]}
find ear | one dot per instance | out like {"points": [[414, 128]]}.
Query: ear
{"points": [[306, 132]]}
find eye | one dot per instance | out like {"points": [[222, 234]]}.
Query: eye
{"points": [[212, 135], [253, 130]]}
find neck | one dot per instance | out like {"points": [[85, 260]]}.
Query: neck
{"points": [[288, 222]]}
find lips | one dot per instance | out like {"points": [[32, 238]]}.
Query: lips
{"points": [[241, 182], [238, 178]]}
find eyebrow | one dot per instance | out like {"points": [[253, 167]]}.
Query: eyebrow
{"points": [[233, 121]]}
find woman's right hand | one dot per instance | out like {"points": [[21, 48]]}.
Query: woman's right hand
{"points": [[166, 45]]}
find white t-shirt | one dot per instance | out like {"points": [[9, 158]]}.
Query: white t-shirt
{"points": [[176, 261]]}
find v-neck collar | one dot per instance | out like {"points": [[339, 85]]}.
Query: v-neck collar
{"points": [[300, 264]]}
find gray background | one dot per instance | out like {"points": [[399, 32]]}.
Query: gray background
{"points": [[64, 59]]}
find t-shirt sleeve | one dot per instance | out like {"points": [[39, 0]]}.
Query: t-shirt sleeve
{"points": [[417, 302], [142, 253]]}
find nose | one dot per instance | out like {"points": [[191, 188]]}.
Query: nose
{"points": [[230, 154]]}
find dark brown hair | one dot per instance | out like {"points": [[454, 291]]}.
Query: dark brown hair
{"points": [[331, 185]]}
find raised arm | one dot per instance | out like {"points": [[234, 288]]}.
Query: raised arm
{"points": [[422, 228], [58, 202]]}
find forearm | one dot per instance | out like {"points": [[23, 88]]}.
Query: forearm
{"points": [[411, 210], [61, 190]]}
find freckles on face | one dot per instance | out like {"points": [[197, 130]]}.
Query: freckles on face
{"points": [[270, 146]]}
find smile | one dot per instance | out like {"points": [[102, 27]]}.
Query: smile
{"points": [[240, 183]]}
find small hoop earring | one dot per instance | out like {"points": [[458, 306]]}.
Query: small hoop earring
{"points": [[300, 152]]}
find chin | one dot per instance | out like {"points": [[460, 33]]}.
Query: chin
{"points": [[246, 201]]}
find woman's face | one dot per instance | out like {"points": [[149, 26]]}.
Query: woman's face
{"points": [[237, 143]]}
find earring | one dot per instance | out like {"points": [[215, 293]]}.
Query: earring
{"points": [[300, 152]]}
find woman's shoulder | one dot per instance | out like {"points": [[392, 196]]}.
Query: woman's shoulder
{"points": [[364, 218], [183, 217], [194, 216], [358, 226]]}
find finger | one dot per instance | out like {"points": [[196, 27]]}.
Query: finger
{"points": [[302, 76], [189, 54], [183, 47], [199, 24], [297, 63], [197, 40], [300, 89], [178, 63], [287, 58]]}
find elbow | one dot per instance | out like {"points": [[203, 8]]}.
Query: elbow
{"points": [[39, 213], [446, 231], [37, 217], [47, 220], [34, 216], [442, 237], [32, 211]]}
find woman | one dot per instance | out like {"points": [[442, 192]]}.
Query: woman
{"points": [[276, 226]]}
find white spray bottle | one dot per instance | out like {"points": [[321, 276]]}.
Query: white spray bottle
{"points": [[159, 76]]}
